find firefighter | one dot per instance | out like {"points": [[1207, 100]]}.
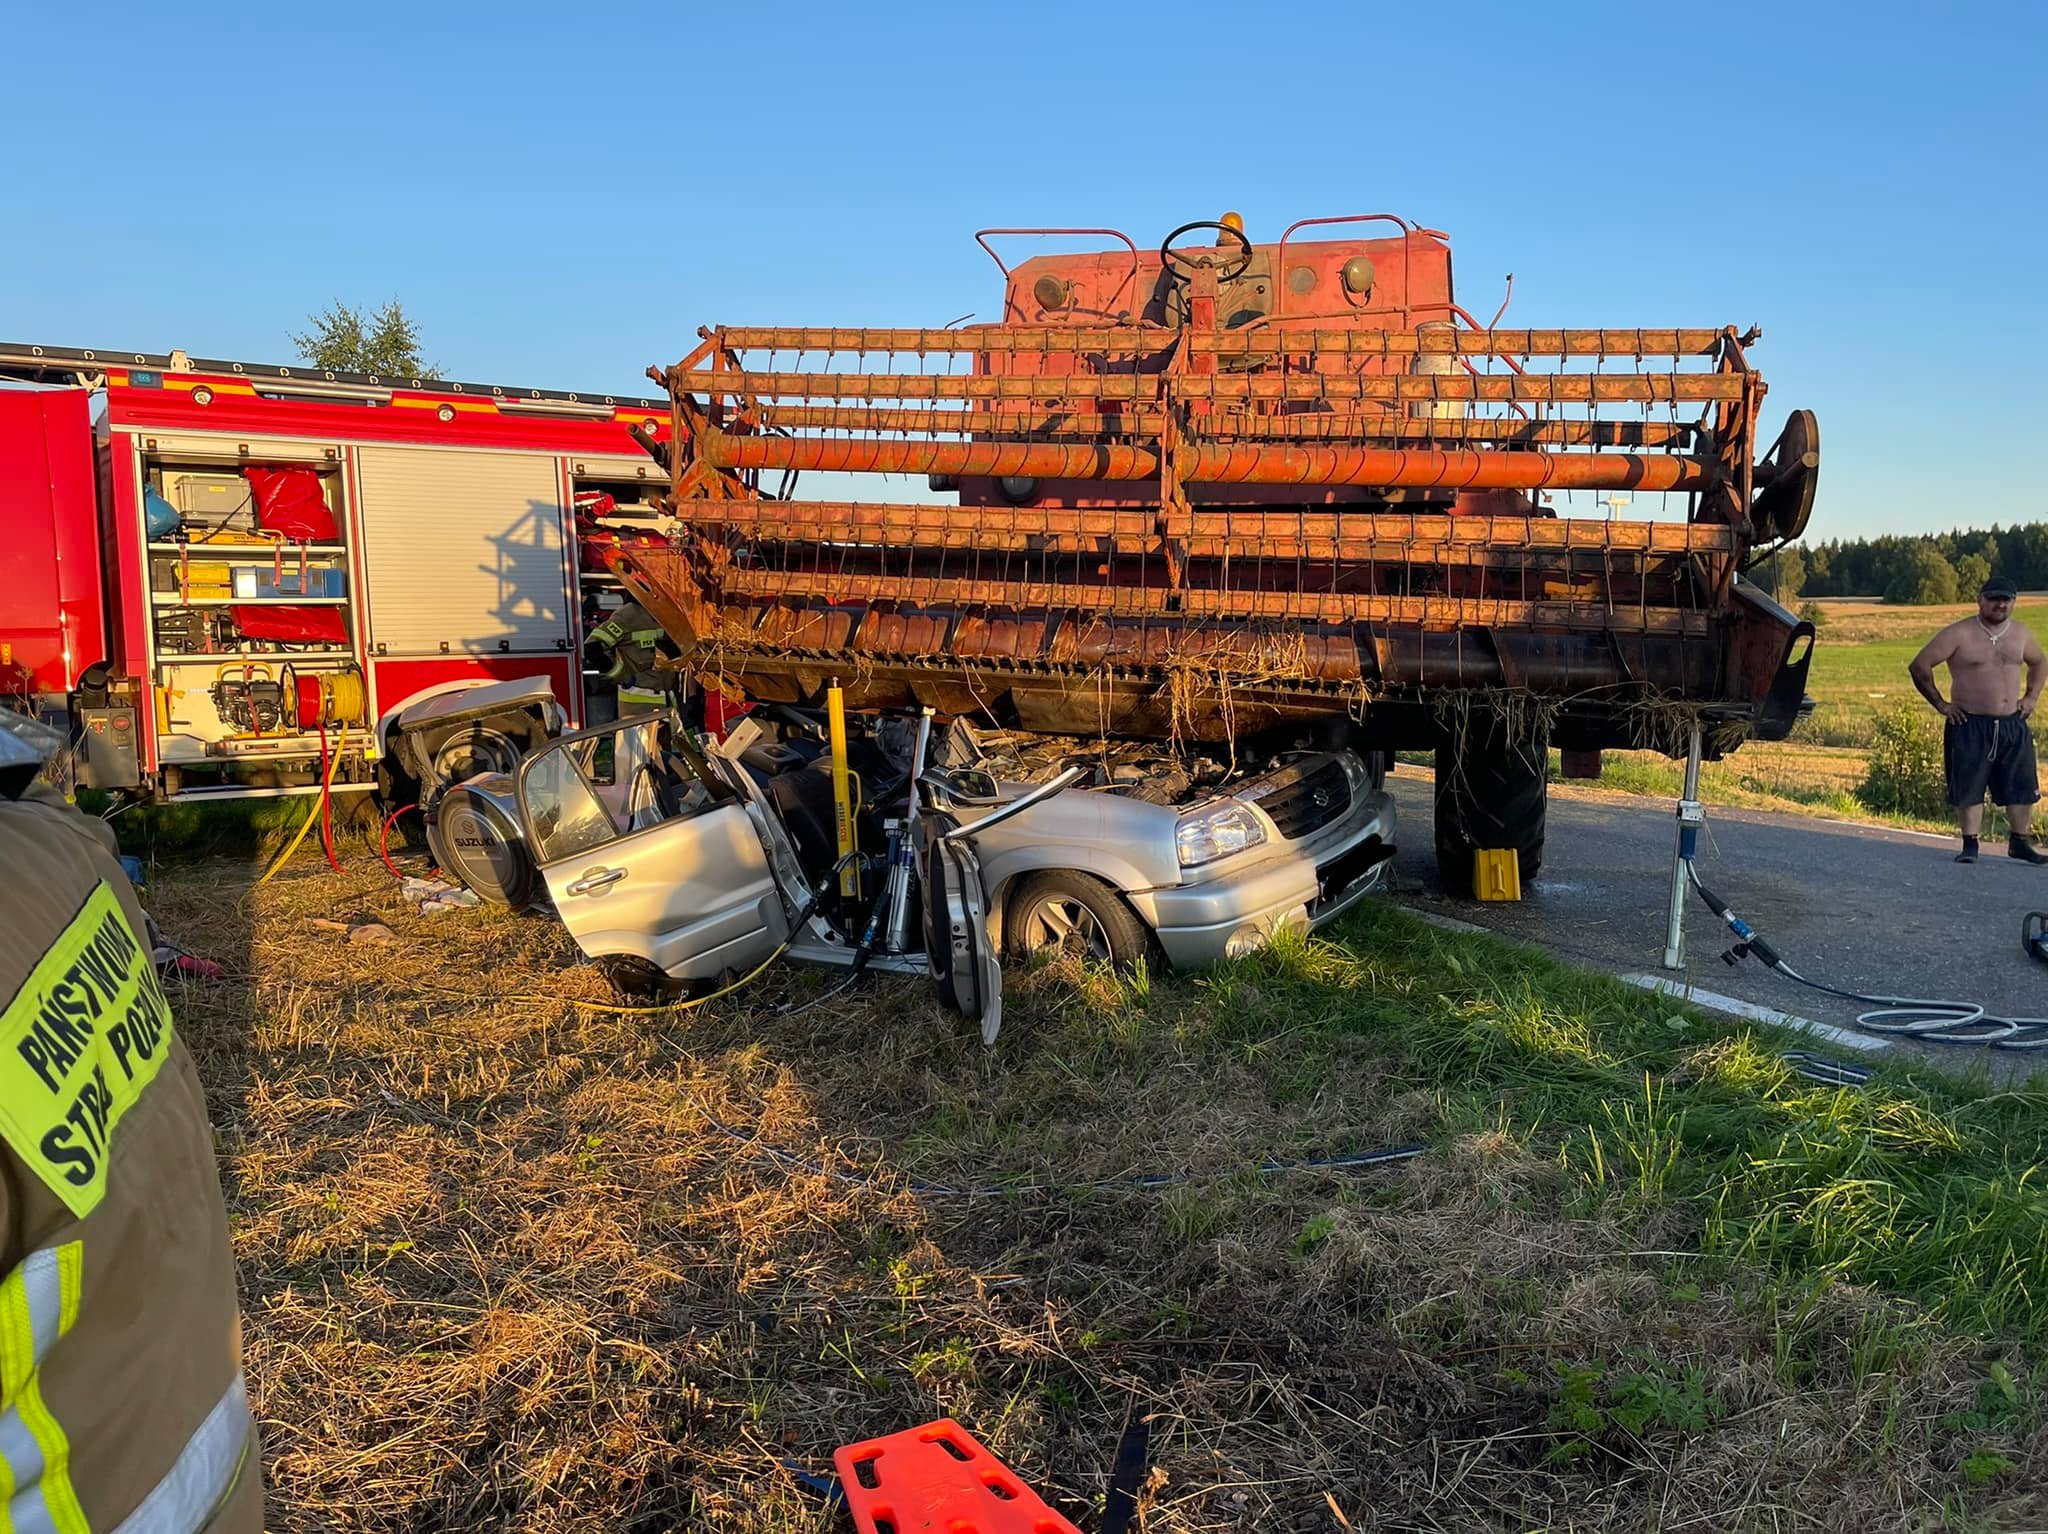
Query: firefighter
{"points": [[122, 1401]]}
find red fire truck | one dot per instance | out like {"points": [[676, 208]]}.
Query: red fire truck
{"points": [[220, 573]]}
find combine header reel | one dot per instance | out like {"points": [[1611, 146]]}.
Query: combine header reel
{"points": [[1209, 490]]}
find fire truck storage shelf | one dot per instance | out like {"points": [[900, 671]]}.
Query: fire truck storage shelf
{"points": [[172, 599], [251, 552]]}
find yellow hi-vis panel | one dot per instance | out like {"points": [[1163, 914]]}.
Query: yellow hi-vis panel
{"points": [[83, 1036]]}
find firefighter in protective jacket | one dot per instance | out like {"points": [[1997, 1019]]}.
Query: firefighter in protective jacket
{"points": [[122, 1402]]}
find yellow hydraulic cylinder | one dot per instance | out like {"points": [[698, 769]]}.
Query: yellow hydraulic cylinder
{"points": [[842, 790]]}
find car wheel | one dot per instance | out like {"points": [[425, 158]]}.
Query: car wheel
{"points": [[1065, 914]]}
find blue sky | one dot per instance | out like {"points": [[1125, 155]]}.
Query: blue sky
{"points": [[561, 195]]}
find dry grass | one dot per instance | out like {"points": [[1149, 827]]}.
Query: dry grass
{"points": [[513, 1265]]}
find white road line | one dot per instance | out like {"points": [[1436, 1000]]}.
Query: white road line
{"points": [[1451, 923], [1735, 1006], [1713, 1001]]}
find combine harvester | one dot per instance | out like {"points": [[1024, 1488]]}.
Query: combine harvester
{"points": [[1234, 492]]}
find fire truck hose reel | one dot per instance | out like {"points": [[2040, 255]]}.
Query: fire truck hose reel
{"points": [[328, 697]]}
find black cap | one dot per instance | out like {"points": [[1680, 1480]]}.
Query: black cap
{"points": [[1998, 586]]}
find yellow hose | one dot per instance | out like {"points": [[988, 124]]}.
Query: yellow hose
{"points": [[326, 784], [604, 1006]]}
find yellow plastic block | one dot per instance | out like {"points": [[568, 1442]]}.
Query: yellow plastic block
{"points": [[1496, 874]]}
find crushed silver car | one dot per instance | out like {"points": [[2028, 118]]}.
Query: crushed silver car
{"points": [[674, 862]]}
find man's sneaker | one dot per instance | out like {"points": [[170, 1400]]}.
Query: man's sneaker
{"points": [[2019, 847], [1969, 852]]}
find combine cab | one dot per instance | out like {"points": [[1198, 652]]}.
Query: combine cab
{"points": [[1226, 489]]}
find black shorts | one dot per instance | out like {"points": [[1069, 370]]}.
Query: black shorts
{"points": [[1986, 753]]}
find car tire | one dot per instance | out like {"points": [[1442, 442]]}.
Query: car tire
{"points": [[1491, 792], [1063, 912]]}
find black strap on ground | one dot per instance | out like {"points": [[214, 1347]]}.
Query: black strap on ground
{"points": [[1120, 1506]]}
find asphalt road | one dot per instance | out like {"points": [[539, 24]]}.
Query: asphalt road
{"points": [[1880, 911]]}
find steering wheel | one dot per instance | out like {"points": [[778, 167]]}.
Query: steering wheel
{"points": [[1180, 267]]}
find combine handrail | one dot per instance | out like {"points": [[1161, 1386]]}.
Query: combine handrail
{"points": [[1130, 277], [1408, 231]]}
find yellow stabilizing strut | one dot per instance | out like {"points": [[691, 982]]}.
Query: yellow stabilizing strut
{"points": [[1497, 873], [842, 790]]}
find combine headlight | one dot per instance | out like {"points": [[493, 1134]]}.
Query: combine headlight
{"points": [[1225, 828]]}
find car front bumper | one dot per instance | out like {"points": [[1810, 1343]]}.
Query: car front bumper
{"points": [[1198, 924]]}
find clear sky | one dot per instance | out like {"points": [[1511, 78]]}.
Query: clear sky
{"points": [[562, 194]]}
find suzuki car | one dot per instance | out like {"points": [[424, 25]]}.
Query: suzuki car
{"points": [[674, 861]]}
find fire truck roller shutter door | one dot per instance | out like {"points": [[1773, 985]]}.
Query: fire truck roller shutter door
{"points": [[464, 550]]}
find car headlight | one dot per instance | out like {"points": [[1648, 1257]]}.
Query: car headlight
{"points": [[1222, 829]]}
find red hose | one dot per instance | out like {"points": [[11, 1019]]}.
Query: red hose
{"points": [[384, 840], [326, 805]]}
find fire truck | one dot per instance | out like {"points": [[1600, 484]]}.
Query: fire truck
{"points": [[233, 579]]}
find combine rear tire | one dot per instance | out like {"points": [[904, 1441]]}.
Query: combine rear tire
{"points": [[1490, 793]]}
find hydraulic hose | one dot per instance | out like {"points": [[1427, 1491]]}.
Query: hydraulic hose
{"points": [[327, 803], [326, 783], [384, 840], [1935, 1020]]}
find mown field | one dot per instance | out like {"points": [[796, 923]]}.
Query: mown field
{"points": [[1858, 673], [514, 1261]]}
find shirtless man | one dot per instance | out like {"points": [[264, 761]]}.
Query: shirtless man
{"points": [[1986, 744]]}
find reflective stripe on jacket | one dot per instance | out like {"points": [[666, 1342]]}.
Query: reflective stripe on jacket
{"points": [[122, 1402]]}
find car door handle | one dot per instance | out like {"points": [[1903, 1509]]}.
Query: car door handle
{"points": [[597, 879]]}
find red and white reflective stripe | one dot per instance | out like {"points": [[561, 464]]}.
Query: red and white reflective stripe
{"points": [[192, 1491]]}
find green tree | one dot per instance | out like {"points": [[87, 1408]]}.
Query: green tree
{"points": [[1922, 579], [1790, 574], [383, 341], [1972, 571]]}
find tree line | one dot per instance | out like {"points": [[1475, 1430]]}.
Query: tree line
{"points": [[1914, 569]]}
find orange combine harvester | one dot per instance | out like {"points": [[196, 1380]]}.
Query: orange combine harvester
{"points": [[1232, 489]]}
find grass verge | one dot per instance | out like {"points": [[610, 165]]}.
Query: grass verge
{"points": [[512, 1263]]}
